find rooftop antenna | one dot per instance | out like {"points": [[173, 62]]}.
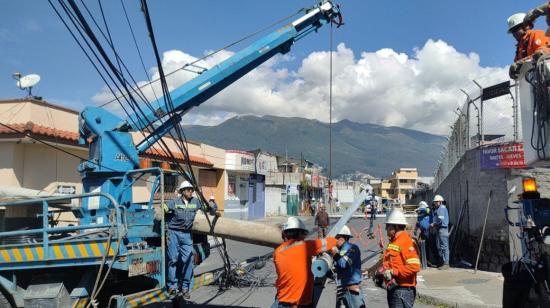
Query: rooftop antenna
{"points": [[26, 82]]}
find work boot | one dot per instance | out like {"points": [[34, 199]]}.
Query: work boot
{"points": [[172, 292], [444, 267], [185, 294]]}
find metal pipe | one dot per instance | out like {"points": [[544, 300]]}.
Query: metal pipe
{"points": [[482, 138]]}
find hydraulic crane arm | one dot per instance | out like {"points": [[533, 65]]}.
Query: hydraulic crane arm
{"points": [[111, 146], [217, 78]]}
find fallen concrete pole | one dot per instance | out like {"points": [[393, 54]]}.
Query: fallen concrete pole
{"points": [[14, 192], [240, 230]]}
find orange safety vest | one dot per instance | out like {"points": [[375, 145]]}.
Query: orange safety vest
{"points": [[401, 257], [531, 42], [293, 265]]}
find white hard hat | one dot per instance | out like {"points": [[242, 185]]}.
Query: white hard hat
{"points": [[438, 198], [422, 205], [515, 20], [294, 223], [313, 199], [396, 217], [185, 184], [344, 231]]}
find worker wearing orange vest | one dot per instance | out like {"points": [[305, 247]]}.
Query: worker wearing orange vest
{"points": [[293, 264], [529, 41], [401, 263]]}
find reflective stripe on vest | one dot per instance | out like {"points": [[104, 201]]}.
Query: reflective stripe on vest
{"points": [[413, 261], [324, 244], [185, 206], [394, 247], [291, 245]]}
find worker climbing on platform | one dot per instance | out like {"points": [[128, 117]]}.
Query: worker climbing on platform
{"points": [[529, 41], [441, 224], [322, 221], [347, 262], [181, 214], [293, 264], [400, 264]]}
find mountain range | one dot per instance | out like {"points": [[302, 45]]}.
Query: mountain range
{"points": [[367, 148]]}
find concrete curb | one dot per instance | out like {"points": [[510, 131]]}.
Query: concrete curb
{"points": [[432, 300]]}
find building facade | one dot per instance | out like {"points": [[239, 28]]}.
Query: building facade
{"points": [[240, 187], [39, 150]]}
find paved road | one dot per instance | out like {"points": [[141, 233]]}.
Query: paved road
{"points": [[209, 296]]}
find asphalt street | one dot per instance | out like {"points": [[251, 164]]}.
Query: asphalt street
{"points": [[263, 296]]}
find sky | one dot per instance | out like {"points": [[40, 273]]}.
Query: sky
{"points": [[396, 63]]}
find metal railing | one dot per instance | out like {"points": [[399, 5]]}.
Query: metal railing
{"points": [[480, 122], [117, 222]]}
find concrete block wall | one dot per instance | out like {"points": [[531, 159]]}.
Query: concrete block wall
{"points": [[466, 190]]}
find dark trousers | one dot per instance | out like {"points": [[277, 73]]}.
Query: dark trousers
{"points": [[401, 297], [322, 232]]}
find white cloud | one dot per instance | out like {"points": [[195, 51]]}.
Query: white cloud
{"points": [[418, 91]]}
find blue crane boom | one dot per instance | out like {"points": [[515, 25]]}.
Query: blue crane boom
{"points": [[112, 151], [113, 230]]}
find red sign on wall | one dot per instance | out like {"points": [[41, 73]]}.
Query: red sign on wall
{"points": [[505, 156]]}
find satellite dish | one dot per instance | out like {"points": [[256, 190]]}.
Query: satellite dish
{"points": [[26, 82]]}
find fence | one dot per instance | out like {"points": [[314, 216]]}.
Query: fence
{"points": [[489, 115]]}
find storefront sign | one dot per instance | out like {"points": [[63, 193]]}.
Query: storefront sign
{"points": [[503, 156]]}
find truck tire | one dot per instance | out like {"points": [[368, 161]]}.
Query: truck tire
{"points": [[4, 301]]}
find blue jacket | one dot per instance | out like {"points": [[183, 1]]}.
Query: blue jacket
{"points": [[181, 214], [441, 217], [423, 220], [348, 265]]}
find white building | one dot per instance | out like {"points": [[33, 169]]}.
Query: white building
{"points": [[239, 166]]}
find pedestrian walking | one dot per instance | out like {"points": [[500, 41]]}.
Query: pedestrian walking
{"points": [[180, 215], [372, 216], [441, 224], [322, 221], [312, 206], [401, 263], [347, 262], [293, 264]]}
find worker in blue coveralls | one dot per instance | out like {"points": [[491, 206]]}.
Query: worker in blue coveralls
{"points": [[441, 223], [181, 214], [423, 221], [347, 262]]}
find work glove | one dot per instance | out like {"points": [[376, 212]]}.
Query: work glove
{"points": [[335, 250], [533, 14], [514, 69], [388, 274]]}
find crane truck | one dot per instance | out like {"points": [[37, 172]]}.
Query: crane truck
{"points": [[527, 276], [118, 243]]}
